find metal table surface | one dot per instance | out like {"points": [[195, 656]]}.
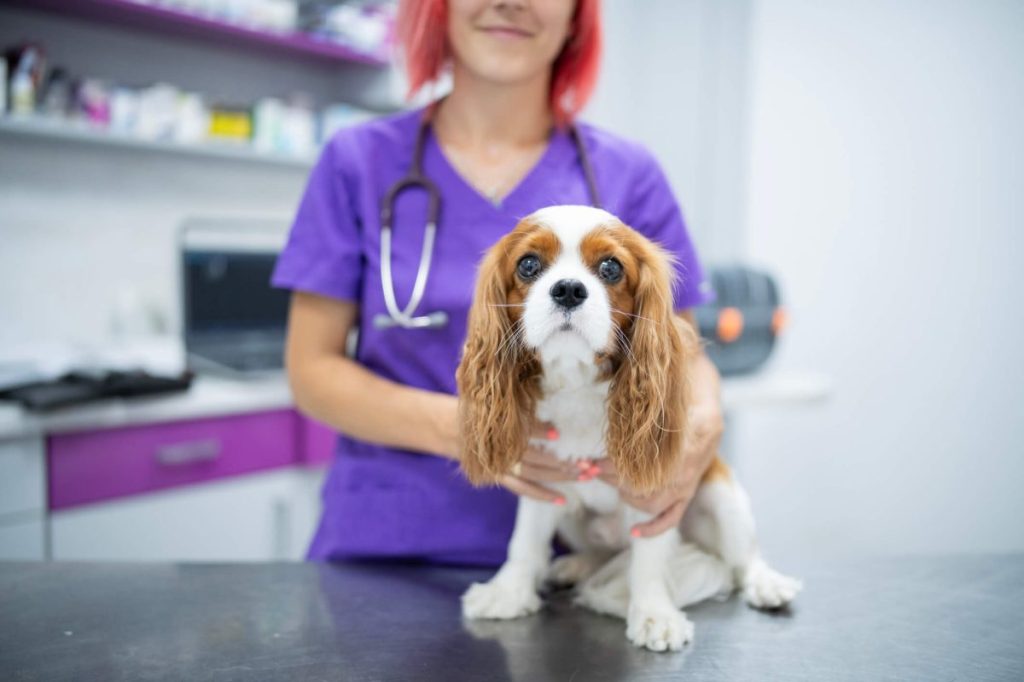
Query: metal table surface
{"points": [[939, 618]]}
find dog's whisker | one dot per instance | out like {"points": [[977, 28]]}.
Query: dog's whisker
{"points": [[511, 338], [505, 345], [504, 341], [624, 342], [639, 317]]}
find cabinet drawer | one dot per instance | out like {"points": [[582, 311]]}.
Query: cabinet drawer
{"points": [[318, 442], [103, 465]]}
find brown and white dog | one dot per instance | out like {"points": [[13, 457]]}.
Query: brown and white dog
{"points": [[572, 324]]}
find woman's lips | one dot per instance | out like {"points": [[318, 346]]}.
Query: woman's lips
{"points": [[506, 32]]}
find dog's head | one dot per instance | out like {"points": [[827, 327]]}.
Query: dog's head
{"points": [[574, 283]]}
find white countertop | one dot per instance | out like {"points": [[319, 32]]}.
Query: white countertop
{"points": [[207, 397], [213, 396]]}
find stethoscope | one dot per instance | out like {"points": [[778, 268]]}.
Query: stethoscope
{"points": [[405, 317]]}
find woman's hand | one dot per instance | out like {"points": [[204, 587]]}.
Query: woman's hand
{"points": [[706, 424], [539, 466]]}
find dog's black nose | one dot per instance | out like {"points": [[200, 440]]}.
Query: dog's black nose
{"points": [[569, 293]]}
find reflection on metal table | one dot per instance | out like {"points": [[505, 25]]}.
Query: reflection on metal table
{"points": [[928, 618]]}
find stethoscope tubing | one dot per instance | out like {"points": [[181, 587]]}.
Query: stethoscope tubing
{"points": [[404, 317]]}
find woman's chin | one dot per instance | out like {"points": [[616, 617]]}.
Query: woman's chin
{"points": [[508, 69]]}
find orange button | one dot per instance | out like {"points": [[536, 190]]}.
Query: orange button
{"points": [[730, 324], [779, 321]]}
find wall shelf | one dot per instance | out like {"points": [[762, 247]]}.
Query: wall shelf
{"points": [[60, 131], [172, 21]]}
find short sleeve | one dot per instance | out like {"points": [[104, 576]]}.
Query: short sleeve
{"points": [[323, 254], [654, 212]]}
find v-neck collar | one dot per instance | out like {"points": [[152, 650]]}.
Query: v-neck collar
{"points": [[451, 177]]}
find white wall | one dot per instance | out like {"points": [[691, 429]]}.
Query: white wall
{"points": [[885, 191], [674, 77]]}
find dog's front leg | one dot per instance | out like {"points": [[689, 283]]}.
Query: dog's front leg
{"points": [[513, 591], [653, 621]]}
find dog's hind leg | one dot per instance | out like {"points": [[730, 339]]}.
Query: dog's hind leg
{"points": [[573, 569], [720, 520], [593, 538], [693, 576]]}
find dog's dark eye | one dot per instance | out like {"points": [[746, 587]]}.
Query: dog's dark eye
{"points": [[610, 270], [528, 267]]}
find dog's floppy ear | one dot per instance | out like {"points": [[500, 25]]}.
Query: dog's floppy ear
{"points": [[649, 393], [496, 378]]}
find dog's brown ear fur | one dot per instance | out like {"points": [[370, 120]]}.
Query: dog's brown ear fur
{"points": [[649, 394], [497, 380]]}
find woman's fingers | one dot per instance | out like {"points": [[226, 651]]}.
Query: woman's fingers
{"points": [[533, 472], [522, 486], [540, 458], [605, 470], [544, 431]]}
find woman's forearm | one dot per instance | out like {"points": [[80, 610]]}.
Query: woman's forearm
{"points": [[705, 381], [345, 395]]}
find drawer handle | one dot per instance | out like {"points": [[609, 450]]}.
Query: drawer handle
{"points": [[181, 454]]}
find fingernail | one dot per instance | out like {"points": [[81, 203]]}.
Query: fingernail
{"points": [[594, 470], [584, 464], [559, 500], [552, 433], [635, 532], [584, 477]]}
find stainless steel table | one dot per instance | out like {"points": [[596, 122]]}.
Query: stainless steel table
{"points": [[941, 618]]}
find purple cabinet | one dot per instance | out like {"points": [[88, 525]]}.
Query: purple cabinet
{"points": [[317, 442], [102, 465]]}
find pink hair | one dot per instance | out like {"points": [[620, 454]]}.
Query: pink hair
{"points": [[422, 33]]}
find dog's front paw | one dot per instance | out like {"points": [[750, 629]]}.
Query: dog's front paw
{"points": [[500, 599], [661, 628], [766, 588]]}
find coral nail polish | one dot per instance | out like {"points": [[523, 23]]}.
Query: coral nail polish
{"points": [[552, 433]]}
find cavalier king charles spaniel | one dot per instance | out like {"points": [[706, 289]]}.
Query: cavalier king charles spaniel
{"points": [[572, 324]]}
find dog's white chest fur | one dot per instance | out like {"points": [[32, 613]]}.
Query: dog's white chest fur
{"points": [[574, 401]]}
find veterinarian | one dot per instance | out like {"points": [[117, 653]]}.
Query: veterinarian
{"points": [[500, 145]]}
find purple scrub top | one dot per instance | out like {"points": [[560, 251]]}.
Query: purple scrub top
{"points": [[383, 502]]}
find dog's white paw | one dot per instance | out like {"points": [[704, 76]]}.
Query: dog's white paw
{"points": [[766, 588], [500, 600], [659, 628]]}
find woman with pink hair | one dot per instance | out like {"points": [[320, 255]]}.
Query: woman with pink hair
{"points": [[503, 143]]}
